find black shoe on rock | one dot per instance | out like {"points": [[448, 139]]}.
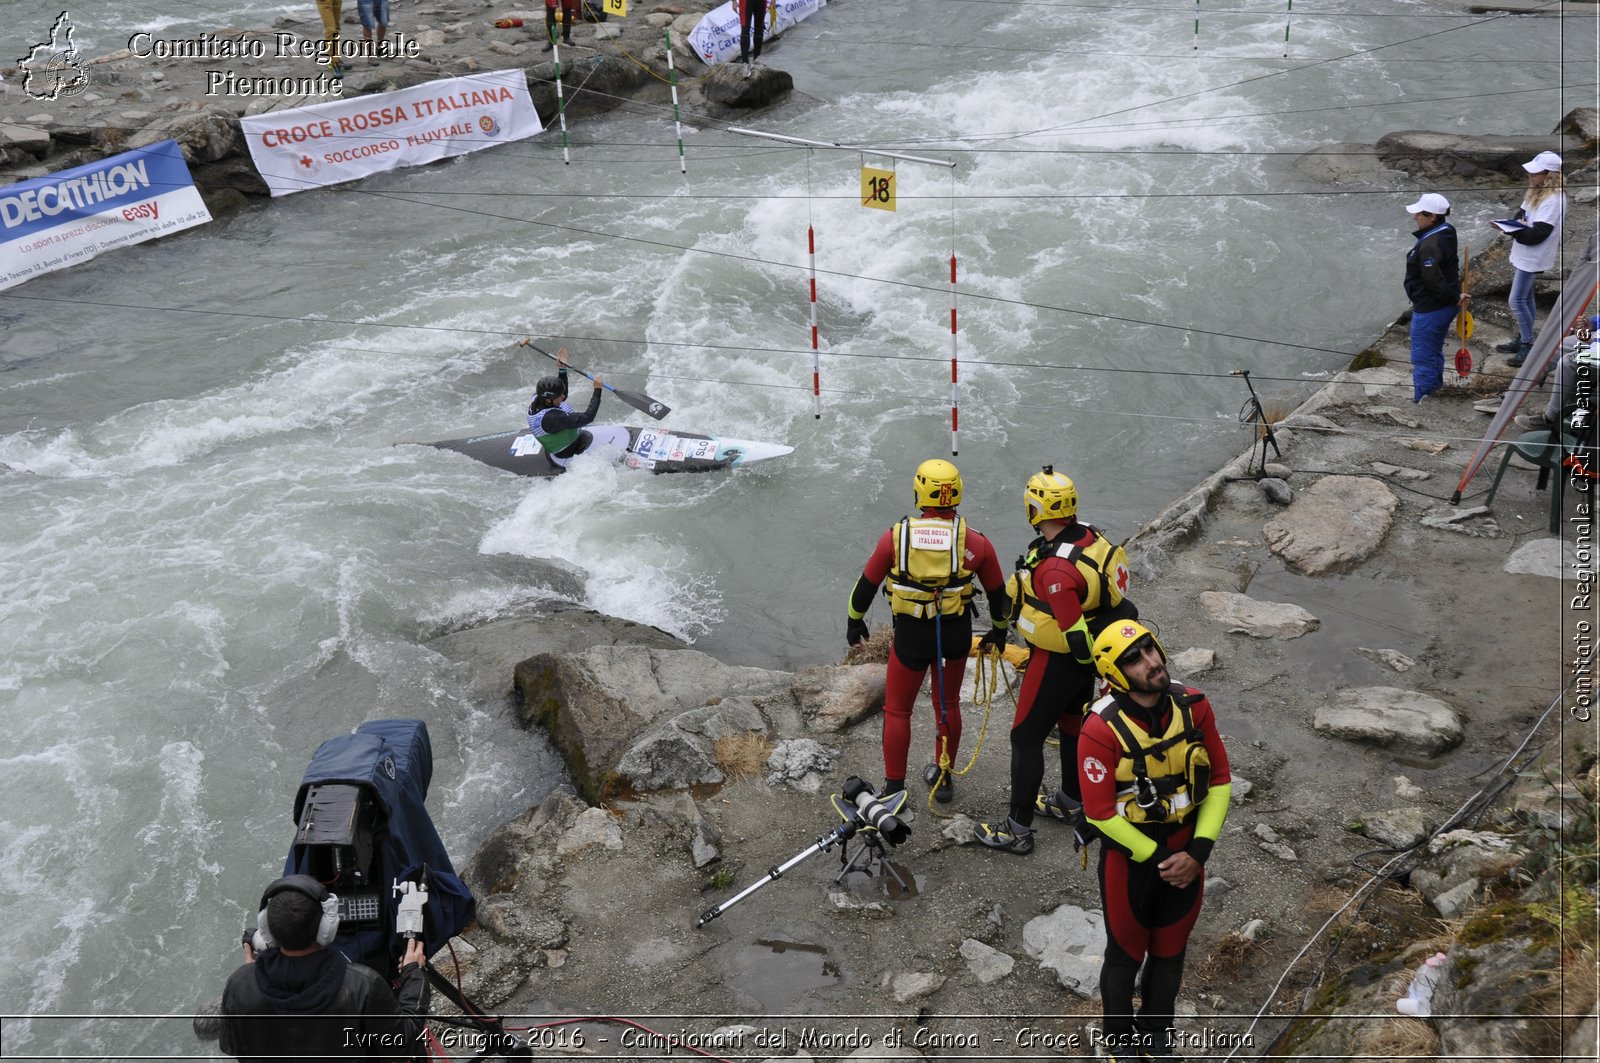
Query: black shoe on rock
{"points": [[946, 788], [1511, 346]]}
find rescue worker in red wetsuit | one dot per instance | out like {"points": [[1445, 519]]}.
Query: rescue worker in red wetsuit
{"points": [[1156, 785], [931, 562], [1071, 583]]}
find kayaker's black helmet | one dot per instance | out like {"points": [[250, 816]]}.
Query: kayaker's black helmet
{"points": [[548, 392]]}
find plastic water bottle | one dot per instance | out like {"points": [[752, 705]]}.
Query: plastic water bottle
{"points": [[1418, 999]]}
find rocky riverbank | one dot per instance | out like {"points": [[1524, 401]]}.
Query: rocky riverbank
{"points": [[1375, 655], [142, 94]]}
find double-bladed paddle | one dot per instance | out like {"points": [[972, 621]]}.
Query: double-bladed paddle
{"points": [[637, 400]]}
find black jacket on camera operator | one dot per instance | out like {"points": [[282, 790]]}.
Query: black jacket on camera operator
{"points": [[300, 998]]}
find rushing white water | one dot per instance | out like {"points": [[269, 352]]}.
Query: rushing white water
{"points": [[213, 557]]}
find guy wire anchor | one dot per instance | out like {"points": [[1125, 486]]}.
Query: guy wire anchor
{"points": [[863, 813], [1252, 413]]}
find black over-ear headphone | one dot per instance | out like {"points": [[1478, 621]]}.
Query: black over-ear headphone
{"points": [[327, 928]]}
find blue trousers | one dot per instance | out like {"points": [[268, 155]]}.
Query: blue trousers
{"points": [[1521, 300], [1428, 331]]}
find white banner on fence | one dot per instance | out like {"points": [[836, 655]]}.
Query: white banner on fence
{"points": [[50, 223], [716, 38], [329, 143]]}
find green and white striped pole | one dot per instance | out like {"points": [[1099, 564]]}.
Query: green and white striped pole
{"points": [[561, 102], [683, 165], [1288, 13]]}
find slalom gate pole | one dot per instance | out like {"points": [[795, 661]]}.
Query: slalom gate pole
{"points": [[1288, 13], [561, 102], [955, 421], [683, 165], [1197, 25], [816, 357]]}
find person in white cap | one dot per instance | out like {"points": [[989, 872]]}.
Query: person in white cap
{"points": [[1535, 245], [1433, 284]]}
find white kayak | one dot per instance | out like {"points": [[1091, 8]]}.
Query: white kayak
{"points": [[652, 449]]}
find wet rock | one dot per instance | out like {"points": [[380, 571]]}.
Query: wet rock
{"points": [[1392, 415], [1336, 522], [1494, 1001], [1276, 490], [909, 985], [803, 763], [1071, 942], [1463, 521], [845, 901], [1453, 901], [1544, 557], [1392, 659], [1452, 157], [1398, 472], [598, 706], [1278, 470], [35, 142], [958, 828], [1405, 788], [986, 964], [1263, 620], [1400, 828], [728, 86], [1390, 717], [205, 135], [594, 828], [1458, 855], [833, 698], [1217, 886], [1186, 664]]}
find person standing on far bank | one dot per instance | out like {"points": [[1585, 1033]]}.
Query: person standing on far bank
{"points": [[1433, 284], [374, 15], [1534, 249], [752, 16], [332, 11]]}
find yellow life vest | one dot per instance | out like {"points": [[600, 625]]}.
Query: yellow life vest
{"points": [[1165, 780], [1104, 568], [929, 577]]}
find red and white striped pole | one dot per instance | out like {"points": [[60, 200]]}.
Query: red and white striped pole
{"points": [[816, 357], [955, 420]]}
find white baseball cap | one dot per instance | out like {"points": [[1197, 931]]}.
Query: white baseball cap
{"points": [[1544, 162], [1431, 203]]}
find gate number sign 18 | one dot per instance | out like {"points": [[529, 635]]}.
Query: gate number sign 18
{"points": [[877, 188]]}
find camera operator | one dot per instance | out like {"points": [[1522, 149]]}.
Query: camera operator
{"points": [[298, 997]]}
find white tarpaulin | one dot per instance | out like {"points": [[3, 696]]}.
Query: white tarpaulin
{"points": [[716, 38], [329, 143], [50, 223]]}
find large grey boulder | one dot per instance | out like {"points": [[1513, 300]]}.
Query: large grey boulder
{"points": [[1263, 620], [1391, 717], [1494, 1002], [1452, 157], [1072, 943], [1462, 855], [1336, 522], [205, 134], [1401, 828], [611, 702], [726, 85]]}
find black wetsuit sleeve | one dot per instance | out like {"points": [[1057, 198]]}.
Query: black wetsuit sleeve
{"points": [[999, 607], [861, 597], [1538, 233]]}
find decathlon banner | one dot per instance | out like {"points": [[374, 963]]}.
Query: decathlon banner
{"points": [[329, 143], [53, 222], [716, 38]]}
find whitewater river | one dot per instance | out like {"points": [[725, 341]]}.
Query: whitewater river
{"points": [[213, 556]]}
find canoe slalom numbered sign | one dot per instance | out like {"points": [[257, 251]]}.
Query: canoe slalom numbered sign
{"points": [[615, 8], [50, 223], [342, 140], [715, 38], [877, 188]]}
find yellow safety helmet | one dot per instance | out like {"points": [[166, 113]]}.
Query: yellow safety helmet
{"points": [[1051, 496], [937, 485], [1114, 643]]}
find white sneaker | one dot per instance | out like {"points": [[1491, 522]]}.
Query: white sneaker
{"points": [[747, 70]]}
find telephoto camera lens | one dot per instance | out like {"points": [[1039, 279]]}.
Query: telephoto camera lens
{"points": [[878, 816]]}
